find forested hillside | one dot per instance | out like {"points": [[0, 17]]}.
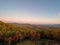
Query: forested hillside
{"points": [[11, 34]]}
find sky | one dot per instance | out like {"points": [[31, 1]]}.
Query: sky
{"points": [[30, 11]]}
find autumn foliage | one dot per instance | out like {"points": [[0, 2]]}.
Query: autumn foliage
{"points": [[12, 34]]}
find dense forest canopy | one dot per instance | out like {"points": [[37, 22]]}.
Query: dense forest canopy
{"points": [[10, 32]]}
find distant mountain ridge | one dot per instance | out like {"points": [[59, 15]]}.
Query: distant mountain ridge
{"points": [[53, 25], [49, 25], [32, 26]]}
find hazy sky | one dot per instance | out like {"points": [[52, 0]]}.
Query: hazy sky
{"points": [[30, 11]]}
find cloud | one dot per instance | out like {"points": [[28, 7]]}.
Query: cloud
{"points": [[59, 14]]}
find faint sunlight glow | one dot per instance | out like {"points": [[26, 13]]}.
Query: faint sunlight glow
{"points": [[30, 21]]}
